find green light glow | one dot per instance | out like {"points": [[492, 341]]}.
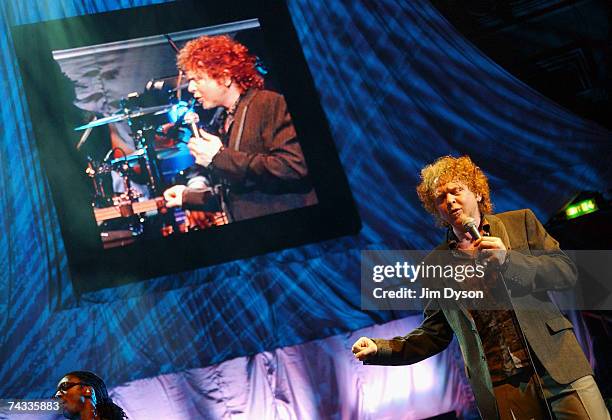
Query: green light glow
{"points": [[580, 209]]}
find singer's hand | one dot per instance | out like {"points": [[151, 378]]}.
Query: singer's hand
{"points": [[205, 148], [363, 348], [174, 196], [492, 250]]}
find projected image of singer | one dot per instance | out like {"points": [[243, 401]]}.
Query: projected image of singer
{"points": [[255, 154], [84, 396], [514, 358]]}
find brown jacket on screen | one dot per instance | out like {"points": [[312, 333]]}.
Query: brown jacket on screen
{"points": [[263, 165]]}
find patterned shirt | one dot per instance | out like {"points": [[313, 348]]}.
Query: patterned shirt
{"points": [[499, 330]]}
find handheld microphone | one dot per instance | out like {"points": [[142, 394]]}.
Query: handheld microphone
{"points": [[193, 119]]}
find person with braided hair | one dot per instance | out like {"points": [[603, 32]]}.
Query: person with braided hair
{"points": [[84, 396]]}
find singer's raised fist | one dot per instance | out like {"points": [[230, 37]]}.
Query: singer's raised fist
{"points": [[364, 347], [174, 196]]}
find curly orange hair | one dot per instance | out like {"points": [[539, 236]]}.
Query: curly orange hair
{"points": [[218, 56], [450, 169]]}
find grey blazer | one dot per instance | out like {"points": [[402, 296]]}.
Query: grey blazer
{"points": [[528, 275]]}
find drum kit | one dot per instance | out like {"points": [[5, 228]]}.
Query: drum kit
{"points": [[134, 208]]}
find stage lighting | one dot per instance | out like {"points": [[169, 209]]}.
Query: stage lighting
{"points": [[581, 208]]}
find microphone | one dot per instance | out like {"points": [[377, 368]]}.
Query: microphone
{"points": [[193, 119], [469, 225]]}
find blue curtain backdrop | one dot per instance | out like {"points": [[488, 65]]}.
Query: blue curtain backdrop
{"points": [[400, 87]]}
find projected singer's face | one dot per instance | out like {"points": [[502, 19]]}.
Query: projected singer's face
{"points": [[455, 202], [209, 92]]}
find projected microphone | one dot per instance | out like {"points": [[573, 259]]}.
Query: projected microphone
{"points": [[193, 119], [469, 225]]}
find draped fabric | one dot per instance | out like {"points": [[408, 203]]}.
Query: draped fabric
{"points": [[400, 87], [102, 74], [419, 90], [316, 380]]}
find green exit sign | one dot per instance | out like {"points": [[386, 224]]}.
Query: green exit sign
{"points": [[581, 208]]}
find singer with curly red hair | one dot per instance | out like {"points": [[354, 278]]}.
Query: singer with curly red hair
{"points": [[520, 352], [219, 56], [256, 152]]}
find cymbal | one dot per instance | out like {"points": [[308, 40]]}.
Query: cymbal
{"points": [[122, 116]]}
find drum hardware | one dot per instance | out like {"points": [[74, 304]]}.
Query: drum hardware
{"points": [[145, 142], [130, 159], [100, 173], [126, 115], [122, 166], [102, 184], [168, 85], [122, 217]]}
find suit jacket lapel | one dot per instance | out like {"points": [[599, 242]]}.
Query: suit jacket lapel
{"points": [[498, 229], [241, 113]]}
